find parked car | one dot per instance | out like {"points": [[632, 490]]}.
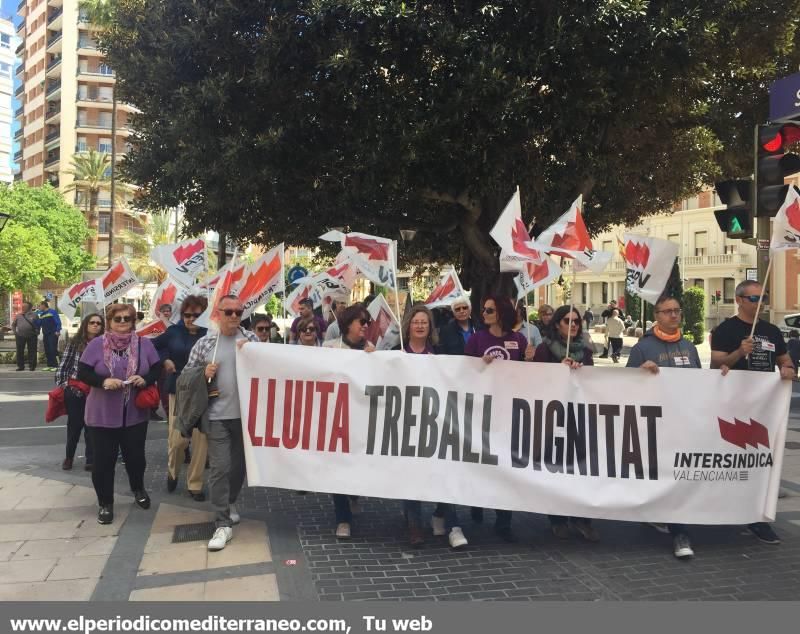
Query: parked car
{"points": [[790, 322]]}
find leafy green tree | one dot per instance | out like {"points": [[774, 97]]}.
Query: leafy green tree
{"points": [[275, 120], [694, 313], [59, 228], [26, 257], [139, 243]]}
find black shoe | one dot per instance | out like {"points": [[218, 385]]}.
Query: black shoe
{"points": [[106, 514], [171, 484], [198, 496], [88, 466], [476, 513], [764, 532], [67, 464], [20, 369], [506, 534], [142, 499]]}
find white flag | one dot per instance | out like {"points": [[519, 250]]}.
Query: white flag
{"points": [[649, 263], [117, 281], [447, 291], [261, 280], [786, 224], [374, 256], [512, 235], [76, 294], [183, 261], [172, 293], [384, 331], [536, 274]]}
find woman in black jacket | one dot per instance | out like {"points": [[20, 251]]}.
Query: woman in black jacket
{"points": [[174, 347]]}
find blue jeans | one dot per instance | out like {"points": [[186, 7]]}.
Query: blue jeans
{"points": [[413, 512], [50, 349]]}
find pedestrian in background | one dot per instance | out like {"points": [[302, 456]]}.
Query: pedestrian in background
{"points": [[75, 391], [117, 365], [615, 328], [50, 324], [26, 332]]}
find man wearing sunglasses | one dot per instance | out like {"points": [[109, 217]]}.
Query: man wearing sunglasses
{"points": [[225, 442], [733, 348]]}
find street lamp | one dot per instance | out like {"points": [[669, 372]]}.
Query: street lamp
{"points": [[407, 235], [4, 218]]}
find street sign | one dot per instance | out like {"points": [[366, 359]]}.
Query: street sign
{"points": [[49, 296], [295, 273], [762, 245], [751, 275], [784, 98]]}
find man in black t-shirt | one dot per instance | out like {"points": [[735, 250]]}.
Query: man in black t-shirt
{"points": [[732, 348]]}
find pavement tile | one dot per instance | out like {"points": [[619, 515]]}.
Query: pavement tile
{"points": [[30, 516], [183, 592], [237, 554], [59, 548], [7, 549], [71, 590], [90, 567], [55, 502], [172, 561], [24, 571], [254, 588], [161, 542], [90, 528], [46, 530]]}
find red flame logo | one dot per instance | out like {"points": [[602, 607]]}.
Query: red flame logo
{"points": [[256, 282], [113, 275], [79, 289], [442, 291], [637, 255], [741, 434], [372, 248], [186, 251], [575, 237], [793, 215]]}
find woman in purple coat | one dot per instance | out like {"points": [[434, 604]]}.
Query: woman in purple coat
{"points": [[117, 366], [566, 324]]}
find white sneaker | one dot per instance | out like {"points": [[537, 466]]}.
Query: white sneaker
{"points": [[438, 525], [457, 539], [682, 547], [343, 531], [235, 517], [222, 536]]}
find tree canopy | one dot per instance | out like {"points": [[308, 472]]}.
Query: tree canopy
{"points": [[45, 238], [275, 120]]}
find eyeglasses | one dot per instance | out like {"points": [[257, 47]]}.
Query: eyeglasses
{"points": [[95, 323], [121, 319], [754, 298], [230, 312], [419, 323], [461, 308], [488, 311], [670, 311], [166, 310], [364, 322], [309, 329], [569, 321], [191, 315], [545, 314], [262, 328]]}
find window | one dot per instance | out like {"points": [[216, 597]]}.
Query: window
{"points": [[691, 203], [105, 69], [700, 243], [82, 145], [584, 293], [674, 237], [82, 117], [104, 120], [731, 248], [699, 282], [5, 40], [728, 290], [102, 250], [5, 69], [104, 223], [105, 93], [104, 146], [607, 246], [604, 292], [402, 284]]}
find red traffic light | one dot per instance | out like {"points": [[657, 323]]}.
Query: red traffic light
{"points": [[718, 294]]}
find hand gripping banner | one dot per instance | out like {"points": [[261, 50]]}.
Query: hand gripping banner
{"points": [[592, 442]]}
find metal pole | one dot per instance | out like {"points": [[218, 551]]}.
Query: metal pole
{"points": [[396, 294]]}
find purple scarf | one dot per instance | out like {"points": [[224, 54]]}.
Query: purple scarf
{"points": [[112, 343]]}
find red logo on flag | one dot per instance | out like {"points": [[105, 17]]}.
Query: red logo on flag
{"points": [[637, 254], [519, 238], [575, 237], [793, 215], [168, 295], [258, 281], [113, 275], [186, 251], [442, 291], [538, 272], [78, 289], [373, 249], [741, 434]]}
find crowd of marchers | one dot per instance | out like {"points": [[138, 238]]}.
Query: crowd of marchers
{"points": [[107, 371]]}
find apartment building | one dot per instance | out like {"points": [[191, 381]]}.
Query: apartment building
{"points": [[66, 92], [707, 258], [7, 62]]}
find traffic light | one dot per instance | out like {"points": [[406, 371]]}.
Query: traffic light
{"points": [[737, 218], [773, 165]]}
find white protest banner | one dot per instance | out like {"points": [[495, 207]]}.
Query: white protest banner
{"points": [[786, 224], [117, 281], [76, 294], [594, 442], [262, 279], [169, 292], [183, 261], [649, 263], [384, 330]]}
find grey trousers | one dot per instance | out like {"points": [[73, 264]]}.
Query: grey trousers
{"points": [[226, 455]]}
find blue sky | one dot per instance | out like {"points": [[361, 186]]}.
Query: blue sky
{"points": [[9, 10]]}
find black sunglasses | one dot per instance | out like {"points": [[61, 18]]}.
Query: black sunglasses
{"points": [[229, 312], [364, 322], [754, 298], [262, 328], [122, 319], [95, 323], [309, 329], [488, 311], [191, 315]]}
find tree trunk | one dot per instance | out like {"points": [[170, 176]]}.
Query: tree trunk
{"points": [[113, 171], [94, 224]]}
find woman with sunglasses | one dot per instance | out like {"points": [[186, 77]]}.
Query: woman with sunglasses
{"points": [[75, 391], [308, 332], [353, 323], [174, 347], [419, 336], [567, 324], [498, 341], [117, 365]]}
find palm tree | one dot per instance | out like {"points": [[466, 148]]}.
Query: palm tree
{"points": [[100, 14], [90, 174], [139, 242]]}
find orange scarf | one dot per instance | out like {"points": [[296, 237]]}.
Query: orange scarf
{"points": [[664, 336]]}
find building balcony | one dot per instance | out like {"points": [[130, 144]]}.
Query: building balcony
{"points": [[19, 50], [53, 115], [20, 89], [87, 46], [83, 20], [55, 17], [18, 155], [54, 182], [53, 87], [54, 67], [19, 133], [96, 76], [21, 26], [54, 43], [92, 127], [19, 112], [21, 68], [51, 162], [726, 259], [55, 3], [53, 139], [21, 5]]}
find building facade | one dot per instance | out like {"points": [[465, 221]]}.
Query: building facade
{"points": [[7, 63], [66, 95]]}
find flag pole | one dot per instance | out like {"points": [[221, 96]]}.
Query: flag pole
{"points": [[761, 296], [571, 307], [396, 292], [283, 302]]}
